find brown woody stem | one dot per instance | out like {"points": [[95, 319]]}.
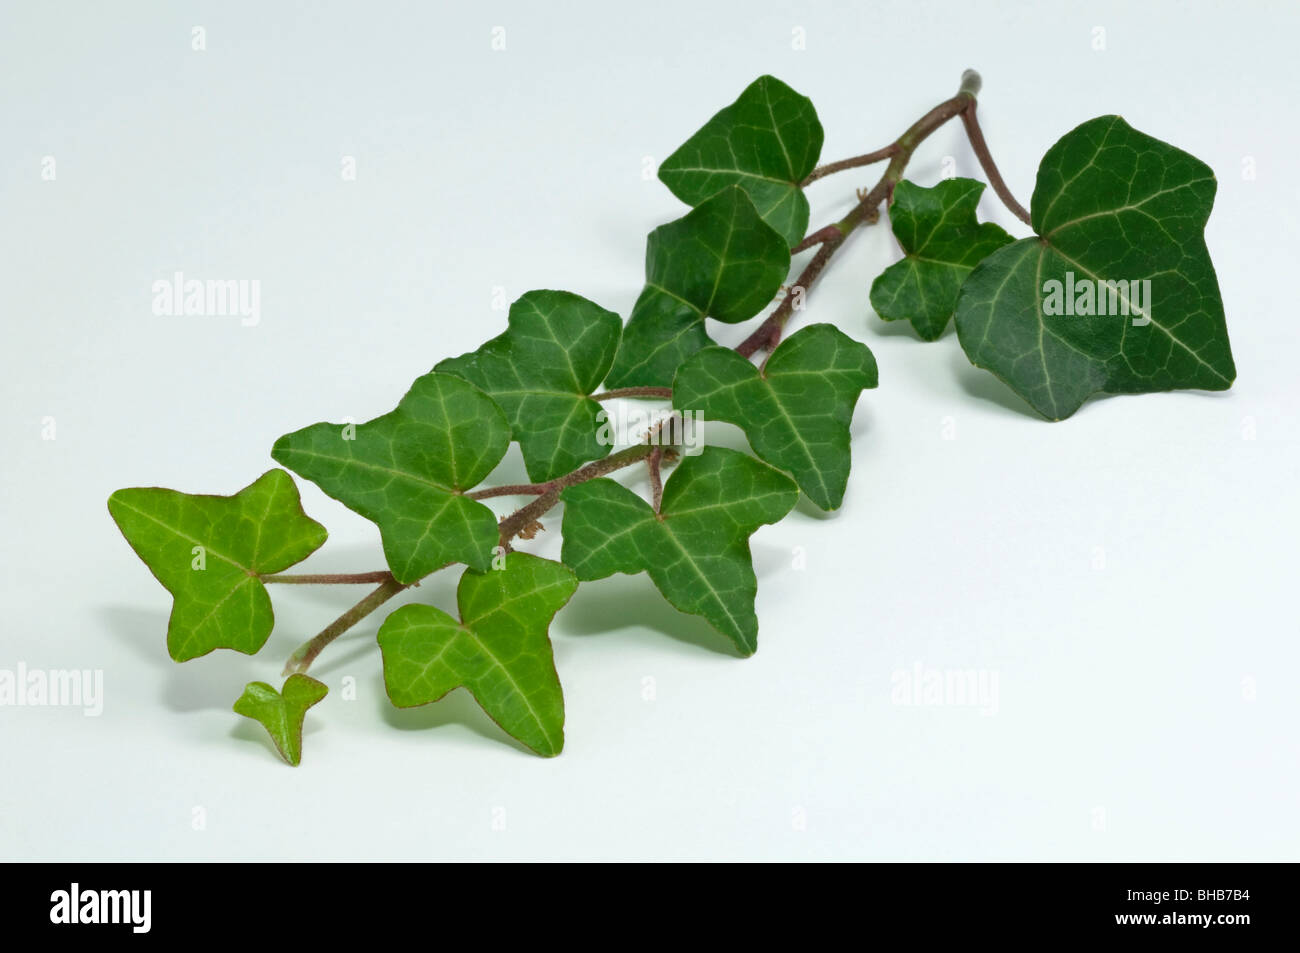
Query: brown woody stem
{"points": [[827, 240], [301, 660], [981, 148], [327, 579], [654, 464], [509, 527], [866, 211], [856, 162], [663, 393]]}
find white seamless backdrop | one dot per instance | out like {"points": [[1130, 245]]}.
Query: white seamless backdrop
{"points": [[1123, 581]]}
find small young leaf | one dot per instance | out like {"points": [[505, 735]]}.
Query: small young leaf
{"points": [[719, 261], [696, 549], [796, 412], [766, 142], [556, 351], [407, 472], [208, 552], [282, 713], [1121, 223], [499, 649], [943, 242]]}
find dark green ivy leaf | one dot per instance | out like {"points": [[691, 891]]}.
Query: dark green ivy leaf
{"points": [[766, 142], [208, 552], [719, 261], [942, 242], [1112, 205], [408, 471], [499, 649], [282, 713], [796, 411], [696, 549], [557, 350]]}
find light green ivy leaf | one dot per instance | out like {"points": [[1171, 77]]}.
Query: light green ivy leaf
{"points": [[408, 471], [499, 649], [942, 242], [1120, 218], [719, 261], [556, 351], [796, 411], [208, 552], [282, 713], [696, 549], [766, 142]]}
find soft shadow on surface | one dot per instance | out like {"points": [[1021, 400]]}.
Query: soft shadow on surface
{"points": [[457, 707], [904, 329], [621, 602], [806, 507], [864, 417], [213, 681], [983, 385], [245, 729], [342, 656]]}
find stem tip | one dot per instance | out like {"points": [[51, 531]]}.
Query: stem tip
{"points": [[971, 82]]}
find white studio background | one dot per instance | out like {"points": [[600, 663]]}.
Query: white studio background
{"points": [[1126, 576]]}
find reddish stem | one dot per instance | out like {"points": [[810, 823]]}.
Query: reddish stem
{"points": [[509, 527], [976, 137], [663, 393], [856, 162], [653, 464], [327, 579], [867, 210]]}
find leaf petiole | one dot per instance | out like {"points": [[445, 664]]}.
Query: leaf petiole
{"points": [[301, 660], [865, 212], [662, 393], [981, 148], [327, 579], [856, 162], [510, 527]]}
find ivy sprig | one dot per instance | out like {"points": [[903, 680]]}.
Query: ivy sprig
{"points": [[1114, 292]]}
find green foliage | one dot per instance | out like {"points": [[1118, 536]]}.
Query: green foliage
{"points": [[1111, 204], [408, 470], [720, 261], [766, 142], [942, 242], [696, 548], [282, 713], [208, 552], [499, 649], [557, 350], [796, 411]]}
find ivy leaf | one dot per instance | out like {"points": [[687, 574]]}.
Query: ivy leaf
{"points": [[766, 142], [407, 471], [1112, 205], [942, 242], [796, 411], [696, 549], [499, 649], [208, 552], [556, 351], [719, 261], [282, 713]]}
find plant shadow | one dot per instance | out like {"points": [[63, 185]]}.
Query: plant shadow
{"points": [[985, 386], [458, 707], [198, 685], [632, 602], [904, 329]]}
